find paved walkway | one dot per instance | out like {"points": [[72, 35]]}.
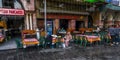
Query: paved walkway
{"points": [[75, 52], [10, 44]]}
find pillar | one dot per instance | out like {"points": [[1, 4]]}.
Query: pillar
{"points": [[117, 19], [30, 21], [109, 20], [27, 21], [71, 25], [34, 21], [56, 26], [86, 22], [56, 23]]}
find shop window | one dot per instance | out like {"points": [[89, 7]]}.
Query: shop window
{"points": [[8, 3]]}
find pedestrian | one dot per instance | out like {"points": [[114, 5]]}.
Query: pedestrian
{"points": [[117, 31], [67, 38], [63, 43], [42, 32], [98, 29], [111, 30], [37, 33]]}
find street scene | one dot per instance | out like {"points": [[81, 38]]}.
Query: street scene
{"points": [[59, 29]]}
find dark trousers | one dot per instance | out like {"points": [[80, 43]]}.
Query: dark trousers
{"points": [[117, 38], [113, 37]]}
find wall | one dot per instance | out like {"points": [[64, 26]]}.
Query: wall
{"points": [[30, 21], [96, 18], [28, 6]]}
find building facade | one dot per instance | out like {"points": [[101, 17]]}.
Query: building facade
{"points": [[30, 14], [12, 12], [111, 15], [64, 14]]}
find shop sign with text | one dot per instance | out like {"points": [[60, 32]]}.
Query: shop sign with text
{"points": [[4, 11]]}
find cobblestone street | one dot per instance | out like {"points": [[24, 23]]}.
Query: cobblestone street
{"points": [[74, 52]]}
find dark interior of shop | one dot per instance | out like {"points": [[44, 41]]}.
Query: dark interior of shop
{"points": [[64, 24], [79, 24], [14, 25]]}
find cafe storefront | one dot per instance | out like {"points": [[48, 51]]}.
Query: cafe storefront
{"points": [[14, 19]]}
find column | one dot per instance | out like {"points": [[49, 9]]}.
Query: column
{"points": [[109, 19], [56, 23], [34, 21], [27, 21], [30, 21], [55, 26], [72, 24], [117, 19], [86, 22]]}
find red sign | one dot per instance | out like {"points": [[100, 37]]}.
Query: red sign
{"points": [[4, 11]]}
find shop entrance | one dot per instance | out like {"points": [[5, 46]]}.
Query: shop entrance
{"points": [[79, 24], [64, 24], [14, 26]]}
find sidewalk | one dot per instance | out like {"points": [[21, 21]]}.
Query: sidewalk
{"points": [[10, 44]]}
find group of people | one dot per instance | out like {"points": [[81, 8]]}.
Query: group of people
{"points": [[114, 31], [65, 39]]}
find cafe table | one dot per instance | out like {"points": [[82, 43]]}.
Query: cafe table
{"points": [[92, 39]]}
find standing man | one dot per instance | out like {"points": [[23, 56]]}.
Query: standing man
{"points": [[111, 30], [117, 31]]}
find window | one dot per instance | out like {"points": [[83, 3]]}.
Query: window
{"points": [[8, 3]]}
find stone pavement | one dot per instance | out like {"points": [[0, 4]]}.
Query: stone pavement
{"points": [[10, 44], [74, 52]]}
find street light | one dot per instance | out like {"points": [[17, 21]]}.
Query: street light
{"points": [[45, 19]]}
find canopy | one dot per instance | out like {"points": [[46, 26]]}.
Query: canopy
{"points": [[113, 7]]}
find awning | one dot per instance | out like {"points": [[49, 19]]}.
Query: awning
{"points": [[10, 17], [62, 11], [113, 7]]}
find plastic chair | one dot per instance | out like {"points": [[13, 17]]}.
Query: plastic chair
{"points": [[42, 41], [48, 41], [19, 44]]}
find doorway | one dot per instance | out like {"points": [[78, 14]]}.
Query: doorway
{"points": [[15, 25], [79, 24], [90, 21], [64, 24]]}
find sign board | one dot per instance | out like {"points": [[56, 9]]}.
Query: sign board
{"points": [[4, 11]]}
